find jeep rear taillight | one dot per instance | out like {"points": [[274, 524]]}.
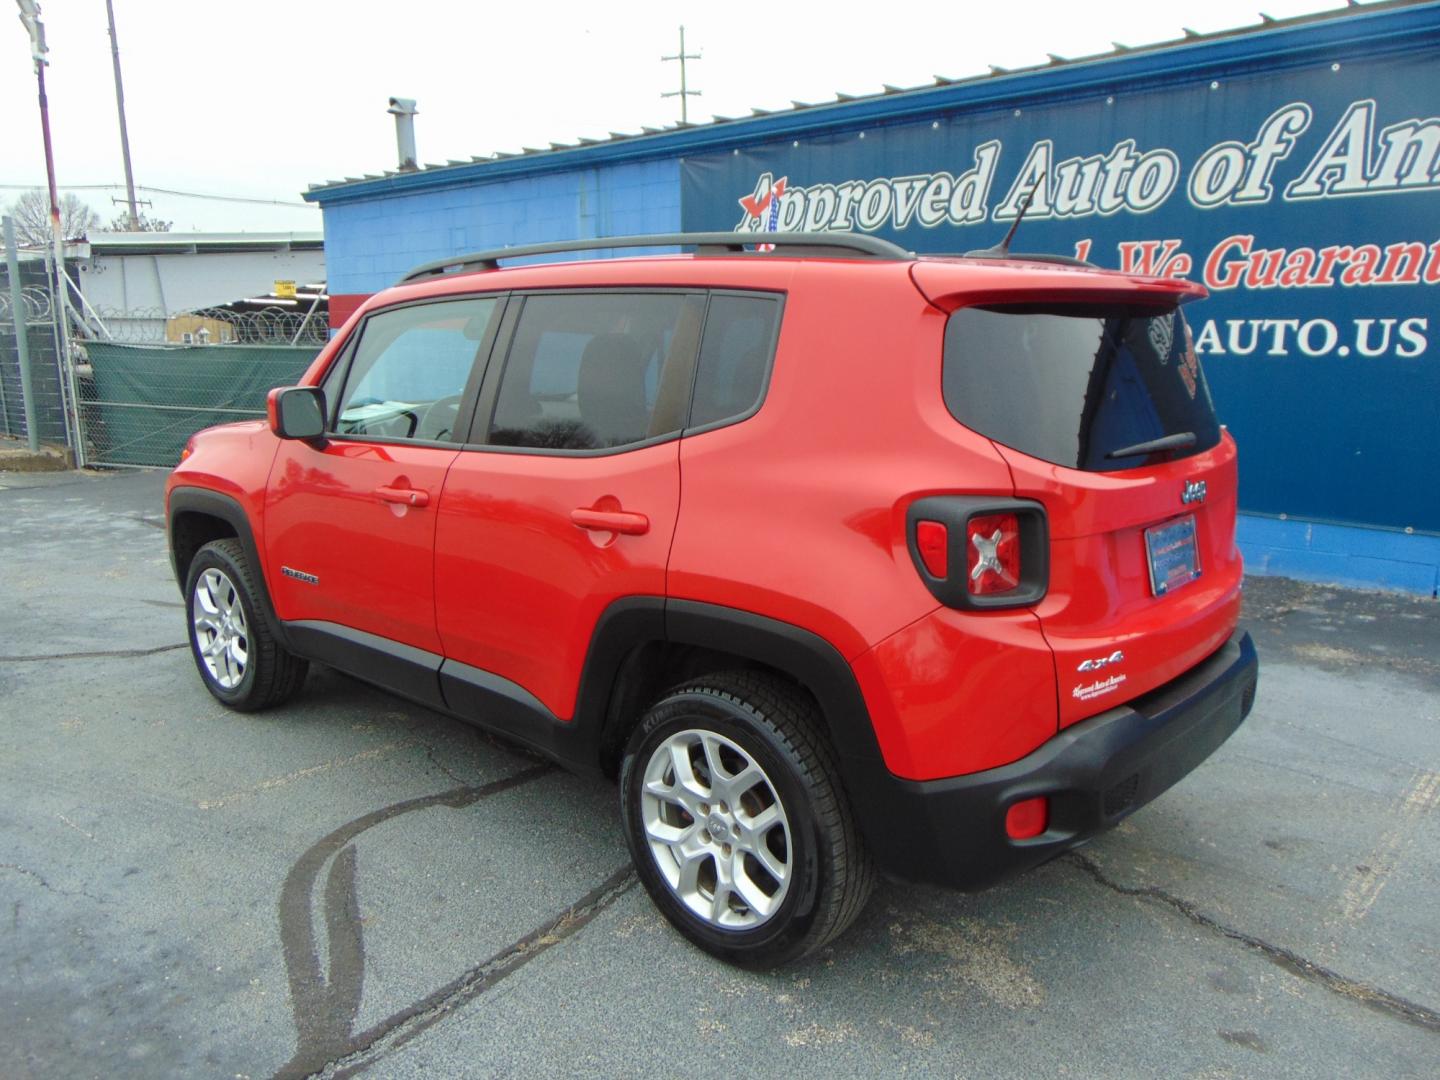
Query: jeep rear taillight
{"points": [[980, 551], [993, 554]]}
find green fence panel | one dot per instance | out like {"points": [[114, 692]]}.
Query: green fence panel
{"points": [[140, 403]]}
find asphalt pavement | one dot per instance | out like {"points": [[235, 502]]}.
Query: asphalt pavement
{"points": [[352, 883]]}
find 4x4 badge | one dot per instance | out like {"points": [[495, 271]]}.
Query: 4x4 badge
{"points": [[1194, 492], [1101, 661]]}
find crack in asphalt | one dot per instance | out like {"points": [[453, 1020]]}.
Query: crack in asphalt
{"points": [[400, 1029], [1372, 997], [30, 874], [121, 654], [430, 755], [325, 1004], [415, 729], [27, 872], [303, 774], [15, 955]]}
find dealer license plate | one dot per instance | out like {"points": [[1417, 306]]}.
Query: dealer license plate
{"points": [[1173, 559]]}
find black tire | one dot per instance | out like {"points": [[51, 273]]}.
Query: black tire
{"points": [[271, 674], [778, 728]]}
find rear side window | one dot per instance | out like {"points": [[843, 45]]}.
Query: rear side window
{"points": [[594, 372], [1078, 387], [410, 368], [734, 356]]}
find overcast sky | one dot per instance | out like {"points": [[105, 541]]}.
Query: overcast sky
{"points": [[263, 99]]}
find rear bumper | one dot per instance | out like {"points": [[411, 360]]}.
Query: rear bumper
{"points": [[1095, 774]]}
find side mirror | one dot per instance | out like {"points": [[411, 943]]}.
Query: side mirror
{"points": [[296, 412]]}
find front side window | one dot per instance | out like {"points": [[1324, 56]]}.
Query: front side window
{"points": [[410, 369], [590, 372]]}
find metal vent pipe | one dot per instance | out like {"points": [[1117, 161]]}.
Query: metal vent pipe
{"points": [[403, 109]]}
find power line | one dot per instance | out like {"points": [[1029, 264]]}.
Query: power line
{"points": [[169, 191], [223, 198]]}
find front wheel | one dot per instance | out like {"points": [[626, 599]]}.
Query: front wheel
{"points": [[238, 658], [736, 822]]}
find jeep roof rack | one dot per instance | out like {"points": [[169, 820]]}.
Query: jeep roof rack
{"points": [[843, 245]]}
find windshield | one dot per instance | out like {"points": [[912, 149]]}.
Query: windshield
{"points": [[1088, 388]]}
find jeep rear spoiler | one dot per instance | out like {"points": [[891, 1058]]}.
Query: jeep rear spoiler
{"points": [[962, 283]]}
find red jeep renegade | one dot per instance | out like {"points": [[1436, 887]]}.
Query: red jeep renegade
{"points": [[840, 558]]}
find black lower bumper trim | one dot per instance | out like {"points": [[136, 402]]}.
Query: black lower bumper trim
{"points": [[1094, 773]]}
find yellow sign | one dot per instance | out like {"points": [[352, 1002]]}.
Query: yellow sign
{"points": [[285, 290]]}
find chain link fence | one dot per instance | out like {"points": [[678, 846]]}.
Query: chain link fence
{"points": [[148, 381], [47, 377], [140, 403], [144, 382]]}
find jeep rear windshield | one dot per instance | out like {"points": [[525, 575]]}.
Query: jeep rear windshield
{"points": [[1074, 385]]}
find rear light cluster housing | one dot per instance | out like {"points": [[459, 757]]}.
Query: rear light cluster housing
{"points": [[980, 552]]}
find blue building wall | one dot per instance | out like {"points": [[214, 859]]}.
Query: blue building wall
{"points": [[370, 243], [1340, 554]]}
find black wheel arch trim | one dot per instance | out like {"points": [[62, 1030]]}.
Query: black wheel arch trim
{"points": [[803, 655], [215, 504], [622, 632], [821, 669]]}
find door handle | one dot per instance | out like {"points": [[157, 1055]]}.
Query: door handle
{"points": [[616, 521], [403, 496]]}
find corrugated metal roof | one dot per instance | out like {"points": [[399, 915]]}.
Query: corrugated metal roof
{"points": [[659, 136], [171, 243]]}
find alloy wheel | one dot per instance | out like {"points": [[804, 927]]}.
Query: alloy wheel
{"points": [[717, 829], [221, 639]]}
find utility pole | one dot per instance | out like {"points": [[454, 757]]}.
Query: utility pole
{"points": [[60, 305], [684, 92], [124, 134], [30, 17]]}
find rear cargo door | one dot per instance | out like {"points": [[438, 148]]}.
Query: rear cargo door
{"points": [[1102, 412]]}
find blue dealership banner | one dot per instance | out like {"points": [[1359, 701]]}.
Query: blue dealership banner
{"points": [[1307, 200]]}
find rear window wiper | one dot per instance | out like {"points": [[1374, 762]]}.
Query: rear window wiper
{"points": [[1181, 440]]}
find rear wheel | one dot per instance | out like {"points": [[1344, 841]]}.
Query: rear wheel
{"points": [[238, 658], [736, 822]]}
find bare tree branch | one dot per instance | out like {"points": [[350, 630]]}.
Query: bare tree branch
{"points": [[121, 223], [31, 212]]}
